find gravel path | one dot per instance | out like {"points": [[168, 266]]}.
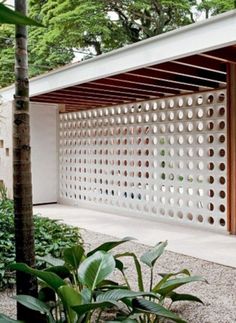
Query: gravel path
{"points": [[219, 296]]}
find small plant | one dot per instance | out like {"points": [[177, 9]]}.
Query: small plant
{"points": [[51, 238], [79, 289]]}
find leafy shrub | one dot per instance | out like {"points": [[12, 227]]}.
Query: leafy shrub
{"points": [[79, 290], [51, 238]]}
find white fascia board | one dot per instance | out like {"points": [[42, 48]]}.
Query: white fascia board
{"points": [[216, 32]]}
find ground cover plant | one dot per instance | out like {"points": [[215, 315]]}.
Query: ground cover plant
{"points": [[51, 238], [80, 288]]}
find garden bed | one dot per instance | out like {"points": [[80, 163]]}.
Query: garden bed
{"points": [[219, 295]]}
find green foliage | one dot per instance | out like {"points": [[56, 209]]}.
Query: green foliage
{"points": [[51, 238], [84, 296], [94, 27]]}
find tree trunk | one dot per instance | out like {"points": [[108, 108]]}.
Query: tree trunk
{"points": [[22, 186]]}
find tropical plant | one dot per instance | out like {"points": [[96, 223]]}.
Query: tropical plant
{"points": [[51, 237], [79, 289]]}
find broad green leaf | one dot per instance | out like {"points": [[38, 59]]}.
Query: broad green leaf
{"points": [[46, 294], [172, 284], [51, 279], [8, 16], [52, 261], [183, 271], [107, 283], [119, 265], [184, 297], [109, 245], [146, 306], [35, 305], [86, 295], [150, 257], [6, 319], [96, 268], [137, 266], [60, 271], [70, 297], [82, 309], [73, 256], [167, 276], [119, 294]]}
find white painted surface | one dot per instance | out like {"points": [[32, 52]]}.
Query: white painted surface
{"points": [[213, 33], [6, 167], [158, 158], [210, 246], [44, 152]]}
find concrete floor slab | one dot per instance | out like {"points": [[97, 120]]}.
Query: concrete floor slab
{"points": [[215, 247]]}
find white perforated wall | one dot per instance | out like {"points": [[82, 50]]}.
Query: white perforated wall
{"points": [[164, 158]]}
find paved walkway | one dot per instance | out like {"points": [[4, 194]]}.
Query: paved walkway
{"points": [[216, 247]]}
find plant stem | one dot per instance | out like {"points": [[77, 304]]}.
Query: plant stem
{"points": [[126, 280], [99, 315], [151, 279]]}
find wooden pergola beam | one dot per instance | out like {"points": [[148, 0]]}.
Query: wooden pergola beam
{"points": [[208, 63]]}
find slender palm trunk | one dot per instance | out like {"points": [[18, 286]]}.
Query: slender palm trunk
{"points": [[24, 233]]}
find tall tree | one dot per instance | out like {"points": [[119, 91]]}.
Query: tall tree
{"points": [[22, 185], [24, 233]]}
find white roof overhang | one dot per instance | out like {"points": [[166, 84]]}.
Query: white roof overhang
{"points": [[204, 46]]}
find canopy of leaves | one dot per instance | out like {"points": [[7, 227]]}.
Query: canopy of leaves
{"points": [[97, 26]]}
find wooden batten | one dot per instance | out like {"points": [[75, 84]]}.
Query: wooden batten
{"points": [[61, 108], [231, 69]]}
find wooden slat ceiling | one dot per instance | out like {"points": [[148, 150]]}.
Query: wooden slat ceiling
{"points": [[200, 72]]}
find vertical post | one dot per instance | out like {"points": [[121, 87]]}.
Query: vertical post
{"points": [[231, 134], [22, 187]]}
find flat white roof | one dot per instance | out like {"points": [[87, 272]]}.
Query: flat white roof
{"points": [[203, 36]]}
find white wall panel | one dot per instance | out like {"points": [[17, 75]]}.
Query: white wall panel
{"points": [[163, 158], [44, 155], [6, 147]]}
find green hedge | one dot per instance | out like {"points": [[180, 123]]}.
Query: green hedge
{"points": [[51, 237]]}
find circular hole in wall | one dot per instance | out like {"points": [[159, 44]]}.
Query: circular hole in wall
{"points": [[222, 222], [211, 220], [210, 112], [222, 125], [222, 111], [200, 218], [210, 99], [222, 194], [222, 208], [222, 180], [222, 138], [211, 179], [210, 139], [222, 152], [190, 216]]}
